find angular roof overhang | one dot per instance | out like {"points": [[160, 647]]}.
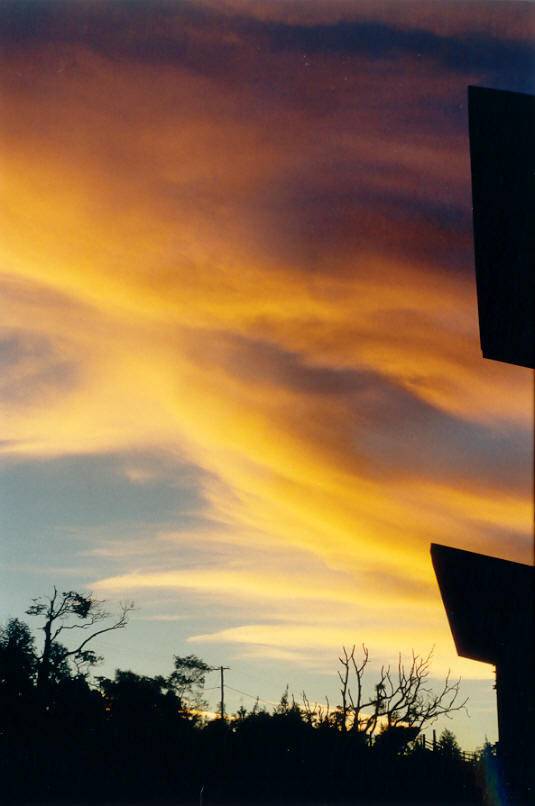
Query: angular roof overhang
{"points": [[489, 603]]}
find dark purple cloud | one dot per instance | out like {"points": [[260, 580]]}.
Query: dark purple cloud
{"points": [[309, 220], [469, 52], [395, 432], [171, 33]]}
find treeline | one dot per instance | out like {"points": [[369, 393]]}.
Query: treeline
{"points": [[67, 736]]}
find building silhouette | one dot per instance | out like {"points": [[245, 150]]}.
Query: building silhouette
{"points": [[490, 602]]}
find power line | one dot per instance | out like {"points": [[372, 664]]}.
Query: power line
{"points": [[220, 669], [252, 696]]}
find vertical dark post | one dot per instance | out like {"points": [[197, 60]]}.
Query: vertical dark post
{"points": [[222, 710]]}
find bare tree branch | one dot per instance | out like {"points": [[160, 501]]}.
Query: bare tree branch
{"points": [[59, 611], [403, 701]]}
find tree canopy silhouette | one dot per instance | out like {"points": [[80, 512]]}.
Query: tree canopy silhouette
{"points": [[18, 658], [147, 737], [187, 680], [71, 610]]}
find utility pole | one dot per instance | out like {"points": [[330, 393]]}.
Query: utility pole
{"points": [[221, 669]]}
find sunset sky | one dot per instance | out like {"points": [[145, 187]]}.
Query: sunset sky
{"points": [[242, 382]]}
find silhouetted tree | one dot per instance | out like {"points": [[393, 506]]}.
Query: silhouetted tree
{"points": [[187, 681], [131, 697], [137, 731], [18, 658], [394, 740], [448, 745], [400, 700], [71, 610]]}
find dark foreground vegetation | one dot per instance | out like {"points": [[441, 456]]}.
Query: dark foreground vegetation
{"points": [[66, 738]]}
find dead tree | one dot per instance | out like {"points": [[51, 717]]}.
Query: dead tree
{"points": [[315, 714], [400, 700], [71, 610]]}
